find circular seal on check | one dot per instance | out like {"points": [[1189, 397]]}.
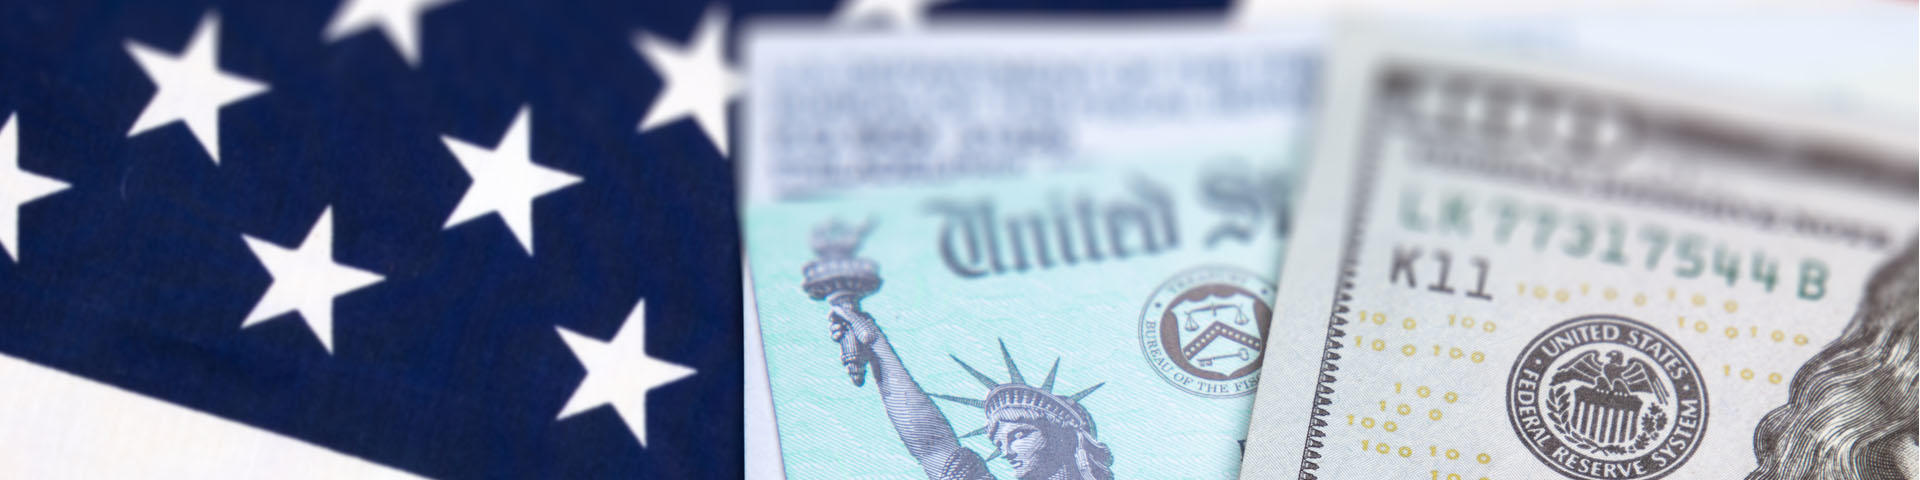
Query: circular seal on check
{"points": [[1205, 329], [1607, 397]]}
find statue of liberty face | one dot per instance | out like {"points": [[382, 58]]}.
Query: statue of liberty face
{"points": [[1034, 449]]}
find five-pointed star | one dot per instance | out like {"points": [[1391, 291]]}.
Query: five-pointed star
{"points": [[399, 19], [696, 79], [191, 86], [620, 372], [900, 14], [17, 187], [306, 279], [505, 180]]}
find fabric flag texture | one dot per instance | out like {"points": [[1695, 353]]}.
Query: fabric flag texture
{"points": [[428, 234]]}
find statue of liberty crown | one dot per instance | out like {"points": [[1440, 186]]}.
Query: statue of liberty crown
{"points": [[1017, 395]]}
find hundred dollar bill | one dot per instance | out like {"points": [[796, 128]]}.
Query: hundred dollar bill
{"points": [[1518, 270], [1019, 251]]}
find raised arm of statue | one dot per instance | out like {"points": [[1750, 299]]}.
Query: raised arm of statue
{"points": [[842, 280], [921, 426]]}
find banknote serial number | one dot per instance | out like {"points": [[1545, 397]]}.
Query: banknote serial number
{"points": [[1583, 235]]}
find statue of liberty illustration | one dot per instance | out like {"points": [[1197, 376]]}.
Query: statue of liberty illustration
{"points": [[1043, 435]]}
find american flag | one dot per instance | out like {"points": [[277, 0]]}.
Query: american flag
{"points": [[450, 238]]}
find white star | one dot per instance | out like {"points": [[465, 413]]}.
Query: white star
{"points": [[399, 19], [17, 187], [900, 14], [306, 279], [505, 180], [191, 86], [696, 79], [620, 372]]}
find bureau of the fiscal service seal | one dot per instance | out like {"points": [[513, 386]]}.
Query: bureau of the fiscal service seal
{"points": [[1607, 397], [1204, 330]]}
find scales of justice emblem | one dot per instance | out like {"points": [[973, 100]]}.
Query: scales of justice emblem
{"points": [[1041, 434], [1204, 330], [1217, 314]]}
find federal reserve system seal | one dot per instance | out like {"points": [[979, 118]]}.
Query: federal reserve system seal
{"points": [[1607, 397], [1203, 330]]}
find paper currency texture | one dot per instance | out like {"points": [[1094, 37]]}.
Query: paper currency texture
{"points": [[1516, 270]]}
